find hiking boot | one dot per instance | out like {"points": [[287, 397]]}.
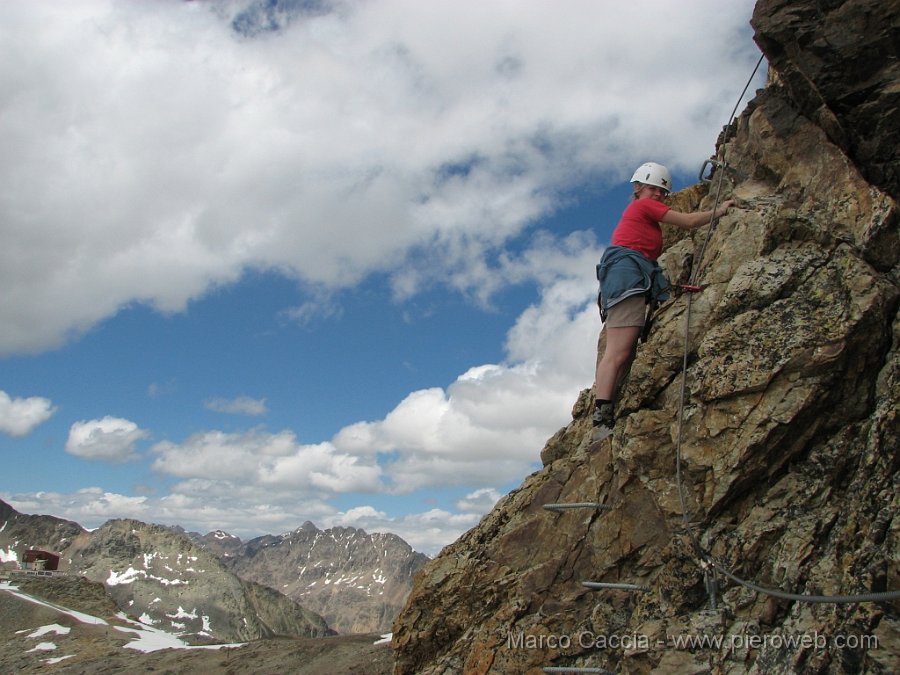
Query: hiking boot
{"points": [[603, 421]]}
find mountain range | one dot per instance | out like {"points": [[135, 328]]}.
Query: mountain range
{"points": [[215, 588], [357, 581]]}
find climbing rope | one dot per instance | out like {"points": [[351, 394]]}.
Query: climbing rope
{"points": [[710, 566]]}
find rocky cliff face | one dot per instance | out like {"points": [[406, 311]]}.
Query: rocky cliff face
{"points": [[221, 543], [790, 445], [20, 532], [357, 581]]}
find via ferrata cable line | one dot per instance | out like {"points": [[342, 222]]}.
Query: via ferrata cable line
{"points": [[692, 287]]}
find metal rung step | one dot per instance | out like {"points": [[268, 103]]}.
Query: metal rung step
{"points": [[577, 505], [602, 586], [576, 669]]}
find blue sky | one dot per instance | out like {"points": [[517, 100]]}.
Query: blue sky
{"points": [[340, 270]]}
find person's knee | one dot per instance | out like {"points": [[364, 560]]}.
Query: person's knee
{"points": [[617, 357]]}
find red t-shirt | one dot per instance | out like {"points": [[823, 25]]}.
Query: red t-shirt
{"points": [[639, 229]]}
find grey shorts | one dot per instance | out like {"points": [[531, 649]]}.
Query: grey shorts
{"points": [[629, 312]]}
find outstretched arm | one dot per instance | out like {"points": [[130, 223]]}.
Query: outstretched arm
{"points": [[696, 219]]}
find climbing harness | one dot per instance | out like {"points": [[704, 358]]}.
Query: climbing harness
{"points": [[648, 321]]}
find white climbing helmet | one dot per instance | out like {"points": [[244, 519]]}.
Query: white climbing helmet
{"points": [[651, 173]]}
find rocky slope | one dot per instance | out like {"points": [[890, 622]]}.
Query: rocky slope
{"points": [[790, 445], [221, 543], [161, 577], [158, 575], [21, 531], [357, 581], [70, 625]]}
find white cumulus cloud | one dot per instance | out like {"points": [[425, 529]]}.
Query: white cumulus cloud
{"points": [[267, 462], [109, 438], [20, 416]]}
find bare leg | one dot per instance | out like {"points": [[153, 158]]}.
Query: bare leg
{"points": [[613, 365]]}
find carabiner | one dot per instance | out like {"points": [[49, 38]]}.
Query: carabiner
{"points": [[710, 162]]}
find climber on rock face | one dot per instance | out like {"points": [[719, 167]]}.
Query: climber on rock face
{"points": [[630, 278]]}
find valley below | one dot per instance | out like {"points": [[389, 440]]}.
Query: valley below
{"points": [[70, 625]]}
